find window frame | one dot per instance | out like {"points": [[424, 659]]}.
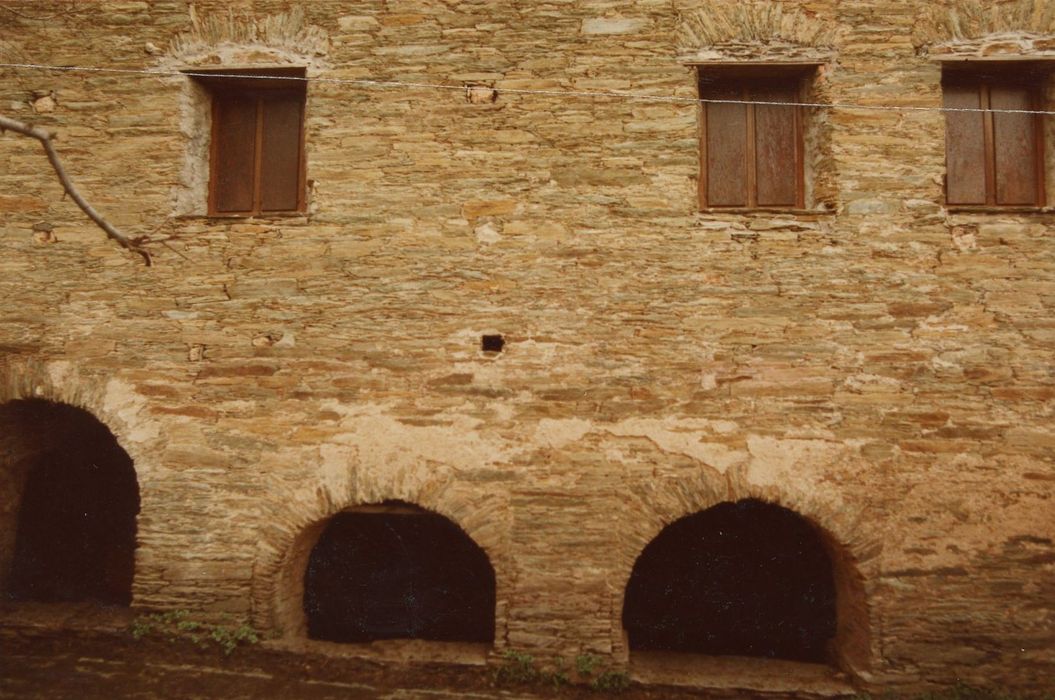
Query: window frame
{"points": [[751, 79], [983, 76], [257, 85]]}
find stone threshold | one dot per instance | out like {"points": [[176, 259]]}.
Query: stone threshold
{"points": [[739, 673], [390, 650], [32, 616]]}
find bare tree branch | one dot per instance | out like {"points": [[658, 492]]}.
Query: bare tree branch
{"points": [[132, 244]]}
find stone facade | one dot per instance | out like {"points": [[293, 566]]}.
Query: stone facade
{"points": [[878, 363]]}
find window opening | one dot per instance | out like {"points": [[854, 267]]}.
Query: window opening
{"points": [[752, 155], [993, 158], [256, 160], [398, 572], [746, 579]]}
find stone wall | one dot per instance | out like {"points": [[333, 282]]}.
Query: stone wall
{"points": [[880, 365]]}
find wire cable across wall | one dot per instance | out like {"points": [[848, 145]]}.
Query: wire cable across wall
{"points": [[585, 94]]}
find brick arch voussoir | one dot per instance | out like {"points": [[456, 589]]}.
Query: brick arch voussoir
{"points": [[290, 533], [853, 547], [112, 402]]}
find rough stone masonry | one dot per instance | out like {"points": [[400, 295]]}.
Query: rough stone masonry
{"points": [[877, 362]]}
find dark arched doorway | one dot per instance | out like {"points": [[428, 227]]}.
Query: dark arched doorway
{"points": [[76, 497], [746, 579], [395, 571]]}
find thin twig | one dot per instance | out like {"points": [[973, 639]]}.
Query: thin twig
{"points": [[132, 244]]}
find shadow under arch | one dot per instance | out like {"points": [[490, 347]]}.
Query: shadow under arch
{"points": [[69, 498], [396, 571], [281, 570], [748, 578]]}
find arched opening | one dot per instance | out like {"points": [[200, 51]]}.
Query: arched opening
{"points": [[741, 579], [70, 497], [395, 571]]}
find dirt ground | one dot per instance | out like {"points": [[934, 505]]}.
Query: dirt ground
{"points": [[88, 654]]}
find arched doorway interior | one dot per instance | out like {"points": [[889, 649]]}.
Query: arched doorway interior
{"points": [[746, 579], [73, 495], [395, 571]]}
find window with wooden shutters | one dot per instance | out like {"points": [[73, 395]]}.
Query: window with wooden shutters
{"points": [[257, 152], [751, 137], [993, 157]]}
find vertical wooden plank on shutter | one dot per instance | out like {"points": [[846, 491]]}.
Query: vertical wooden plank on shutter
{"points": [[280, 169], [965, 164], [1015, 146], [234, 154], [776, 147], [726, 146]]}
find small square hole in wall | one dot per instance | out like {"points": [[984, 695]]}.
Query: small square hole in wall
{"points": [[492, 343]]}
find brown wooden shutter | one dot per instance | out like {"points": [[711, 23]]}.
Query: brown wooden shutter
{"points": [[280, 153], [1014, 146], [965, 161], [726, 149], [776, 147], [234, 153]]}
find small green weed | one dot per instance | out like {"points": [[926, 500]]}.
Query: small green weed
{"points": [[518, 669], [606, 680], [178, 624], [558, 676], [585, 664], [609, 681]]}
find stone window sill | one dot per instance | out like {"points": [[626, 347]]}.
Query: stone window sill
{"points": [[269, 216], [748, 211], [969, 209]]}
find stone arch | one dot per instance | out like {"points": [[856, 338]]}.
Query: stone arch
{"points": [[743, 578], [286, 544], [112, 403], [852, 549], [728, 29], [1014, 25]]}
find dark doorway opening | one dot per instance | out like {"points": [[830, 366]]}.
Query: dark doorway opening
{"points": [[76, 528], [746, 579], [396, 571]]}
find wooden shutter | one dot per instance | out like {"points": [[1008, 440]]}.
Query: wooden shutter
{"points": [[280, 166], [726, 146], [776, 147], [1015, 146], [965, 147], [234, 153]]}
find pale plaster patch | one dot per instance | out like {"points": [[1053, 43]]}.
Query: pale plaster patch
{"points": [[556, 433], [613, 25], [776, 462], [120, 399], [334, 471], [683, 436], [58, 374], [873, 383], [381, 441], [487, 233], [672, 435]]}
